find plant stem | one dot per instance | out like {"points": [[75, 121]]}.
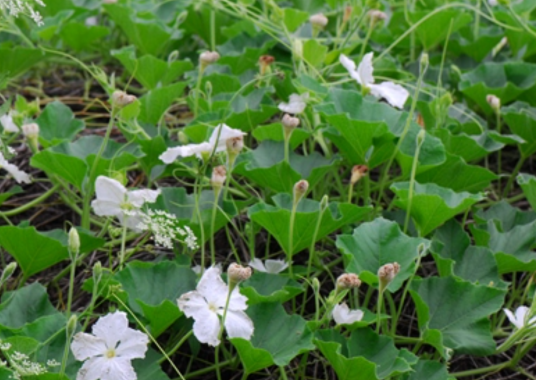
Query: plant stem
{"points": [[32, 203], [514, 174], [478, 371], [290, 248], [123, 244], [217, 191], [177, 346], [412, 182]]}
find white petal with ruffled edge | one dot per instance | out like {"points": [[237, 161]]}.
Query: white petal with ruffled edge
{"points": [[118, 369], [207, 326], [275, 266], [110, 195], [133, 344], [212, 287], [365, 71], [295, 105], [111, 328], [85, 346], [92, 369], [395, 94], [138, 197], [238, 325], [221, 134], [19, 175], [8, 124], [342, 315]]}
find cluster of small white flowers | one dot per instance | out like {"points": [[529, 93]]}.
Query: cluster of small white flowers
{"points": [[5, 346], [17, 7], [166, 229], [22, 366], [53, 363]]}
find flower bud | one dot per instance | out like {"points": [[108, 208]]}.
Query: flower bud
{"points": [[109, 1], [8, 272], [71, 326], [387, 273], [376, 15], [420, 121], [315, 285], [358, 172], [218, 177], [347, 14], [290, 122], [208, 57], [234, 145], [424, 63], [493, 101], [319, 21], [324, 202], [300, 188], [74, 242], [237, 273], [97, 272], [31, 130], [264, 62], [121, 99], [420, 137], [348, 281]]}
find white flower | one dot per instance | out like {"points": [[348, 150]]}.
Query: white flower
{"points": [[113, 199], [493, 3], [91, 21], [344, 316], [218, 140], [197, 268], [207, 303], [519, 320], [395, 94], [109, 351], [8, 124], [19, 175], [296, 103], [269, 266]]}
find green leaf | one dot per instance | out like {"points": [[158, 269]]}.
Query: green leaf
{"points": [[274, 132], [36, 251], [432, 205], [521, 119], [266, 166], [17, 60], [476, 48], [276, 219], [278, 338], [268, 287], [294, 18], [155, 102], [429, 370], [57, 123], [457, 313], [81, 37], [455, 174], [527, 183], [153, 290], [435, 29], [469, 147], [314, 52], [377, 243]]}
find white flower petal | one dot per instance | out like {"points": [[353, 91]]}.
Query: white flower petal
{"points": [[118, 369], [257, 264], [238, 325], [133, 344], [212, 287], [365, 71], [91, 21], [106, 208], [221, 134], [513, 319], [19, 175], [92, 369], [171, 154], [237, 301], [109, 189], [138, 197], [295, 105], [395, 94], [347, 63], [8, 124], [521, 313], [111, 328], [275, 266], [85, 346], [207, 327], [343, 315], [192, 304]]}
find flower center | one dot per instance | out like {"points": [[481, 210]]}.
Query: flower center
{"points": [[126, 206], [110, 353], [213, 307]]}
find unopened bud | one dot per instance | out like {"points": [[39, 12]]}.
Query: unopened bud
{"points": [[319, 21], [237, 273], [315, 284], [300, 188], [74, 243], [235, 145], [290, 122], [207, 58], [420, 121], [97, 272], [71, 326], [8, 272], [424, 62], [387, 273], [376, 15], [420, 137], [218, 177], [264, 62], [324, 202], [348, 281], [347, 14], [31, 130], [121, 99], [183, 138], [493, 101], [109, 1], [358, 172]]}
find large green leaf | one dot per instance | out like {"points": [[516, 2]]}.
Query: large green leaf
{"points": [[436, 28], [36, 251], [432, 205], [17, 60], [266, 166], [155, 102], [454, 314], [277, 339], [377, 243], [469, 147], [153, 290], [268, 287], [521, 119], [276, 219], [428, 370], [82, 37], [527, 183], [476, 47], [57, 123]]}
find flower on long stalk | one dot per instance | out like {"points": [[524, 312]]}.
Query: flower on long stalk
{"points": [[19, 175], [108, 352], [395, 94], [520, 318], [113, 199], [217, 143], [206, 305], [269, 266]]}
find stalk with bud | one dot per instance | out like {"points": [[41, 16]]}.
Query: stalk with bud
{"points": [[219, 175], [290, 123], [205, 59], [299, 190]]}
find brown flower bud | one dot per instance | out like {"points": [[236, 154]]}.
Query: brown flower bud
{"points": [[347, 14], [377, 15], [493, 101], [218, 177], [319, 21], [420, 121], [237, 273], [387, 273], [348, 281], [235, 145], [358, 172], [300, 188], [264, 62], [121, 99]]}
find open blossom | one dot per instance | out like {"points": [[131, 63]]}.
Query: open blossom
{"points": [[8, 124], [113, 199], [269, 266], [217, 142], [296, 103], [19, 175], [108, 352], [206, 305], [395, 94], [519, 319], [342, 315]]}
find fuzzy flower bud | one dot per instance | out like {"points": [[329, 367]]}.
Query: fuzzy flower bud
{"points": [[348, 281], [493, 101], [264, 62], [347, 14], [74, 242], [218, 177], [235, 145], [358, 172], [71, 326], [377, 15], [207, 58], [300, 188], [387, 273], [31, 130], [290, 122], [319, 21], [8, 272], [97, 272], [121, 99], [237, 273]]}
